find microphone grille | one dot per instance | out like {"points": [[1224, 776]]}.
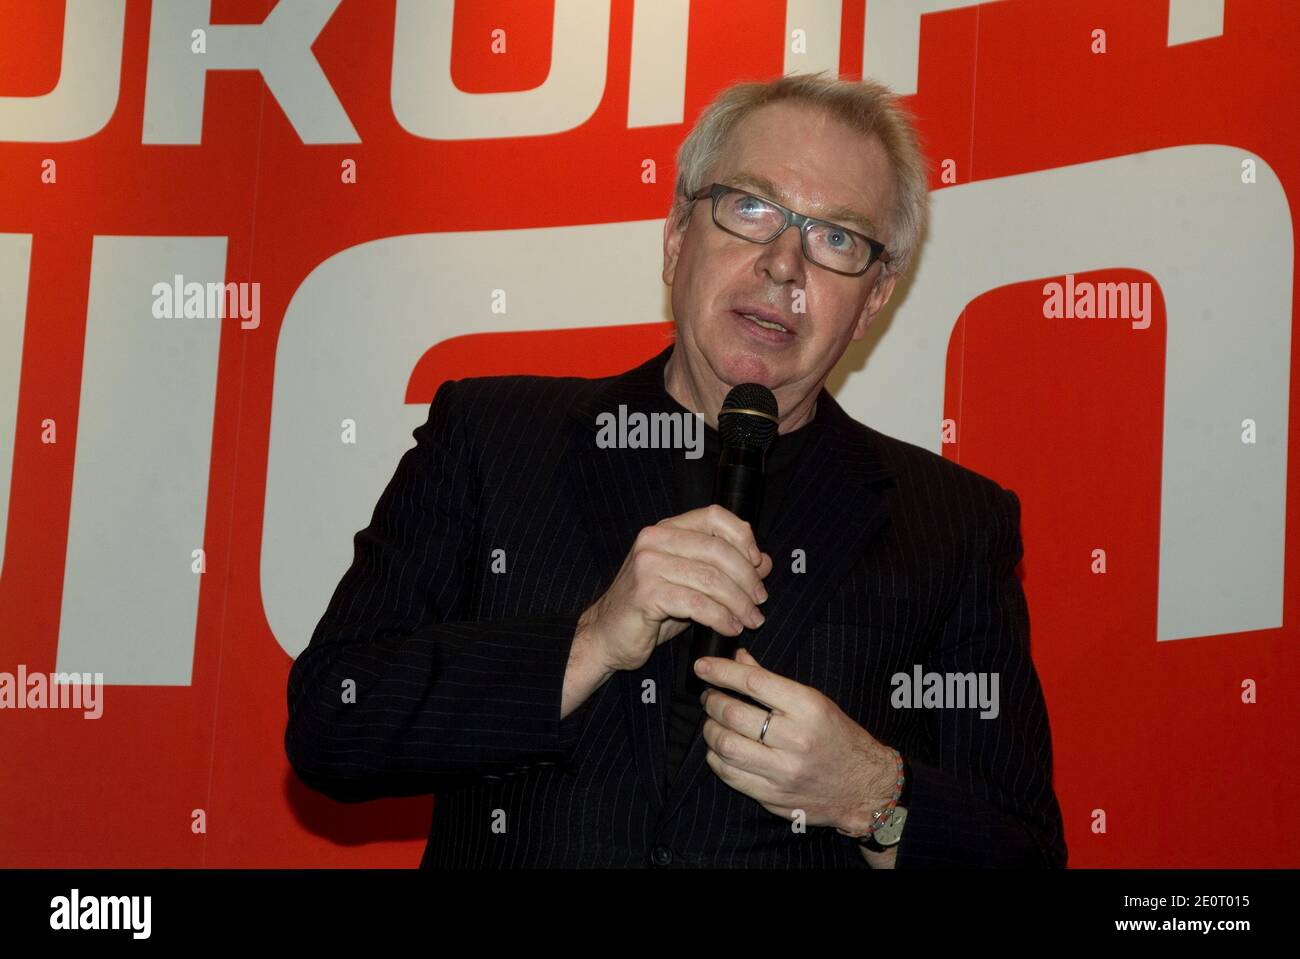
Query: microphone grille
{"points": [[748, 417]]}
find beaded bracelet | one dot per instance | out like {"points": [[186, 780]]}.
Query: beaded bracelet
{"points": [[887, 810], [876, 821]]}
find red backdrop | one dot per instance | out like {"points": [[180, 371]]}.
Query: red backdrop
{"points": [[1154, 733]]}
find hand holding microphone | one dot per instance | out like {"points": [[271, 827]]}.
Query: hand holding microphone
{"points": [[702, 566]]}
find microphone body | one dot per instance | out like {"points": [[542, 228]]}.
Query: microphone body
{"points": [[739, 488], [748, 426]]}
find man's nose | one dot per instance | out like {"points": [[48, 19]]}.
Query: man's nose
{"points": [[783, 258]]}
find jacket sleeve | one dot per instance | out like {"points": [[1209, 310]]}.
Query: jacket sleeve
{"points": [[393, 695], [987, 800]]}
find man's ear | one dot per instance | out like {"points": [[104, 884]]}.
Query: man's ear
{"points": [[876, 301], [672, 244]]}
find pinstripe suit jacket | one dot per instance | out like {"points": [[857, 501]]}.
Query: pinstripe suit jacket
{"points": [[458, 669]]}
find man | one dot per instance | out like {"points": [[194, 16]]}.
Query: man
{"points": [[513, 633]]}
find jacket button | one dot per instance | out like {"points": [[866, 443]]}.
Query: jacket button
{"points": [[661, 855]]}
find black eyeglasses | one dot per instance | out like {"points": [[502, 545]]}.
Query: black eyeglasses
{"points": [[760, 220]]}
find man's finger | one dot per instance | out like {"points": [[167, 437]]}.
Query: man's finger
{"points": [[717, 552], [739, 750], [769, 688], [756, 787], [719, 521], [745, 719]]}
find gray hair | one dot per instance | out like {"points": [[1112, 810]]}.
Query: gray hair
{"points": [[868, 106]]}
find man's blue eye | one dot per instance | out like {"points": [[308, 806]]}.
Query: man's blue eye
{"points": [[841, 241]]}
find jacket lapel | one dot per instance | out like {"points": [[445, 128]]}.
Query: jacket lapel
{"points": [[832, 511], [620, 492]]}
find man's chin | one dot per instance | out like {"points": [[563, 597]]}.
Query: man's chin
{"points": [[740, 368]]}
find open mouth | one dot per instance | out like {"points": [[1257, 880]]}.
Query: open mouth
{"points": [[765, 324]]}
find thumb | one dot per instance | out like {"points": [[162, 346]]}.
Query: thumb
{"points": [[742, 656]]}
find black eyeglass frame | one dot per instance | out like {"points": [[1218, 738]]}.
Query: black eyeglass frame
{"points": [[717, 190]]}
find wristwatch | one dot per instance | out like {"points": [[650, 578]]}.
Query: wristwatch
{"points": [[890, 832]]}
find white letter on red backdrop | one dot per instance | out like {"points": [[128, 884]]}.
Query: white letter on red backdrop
{"points": [[15, 265], [428, 104], [1228, 345], [279, 48], [90, 70], [144, 442]]}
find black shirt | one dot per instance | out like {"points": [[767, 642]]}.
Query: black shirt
{"points": [[694, 486]]}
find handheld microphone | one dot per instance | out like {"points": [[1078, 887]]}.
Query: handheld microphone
{"points": [[747, 424]]}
